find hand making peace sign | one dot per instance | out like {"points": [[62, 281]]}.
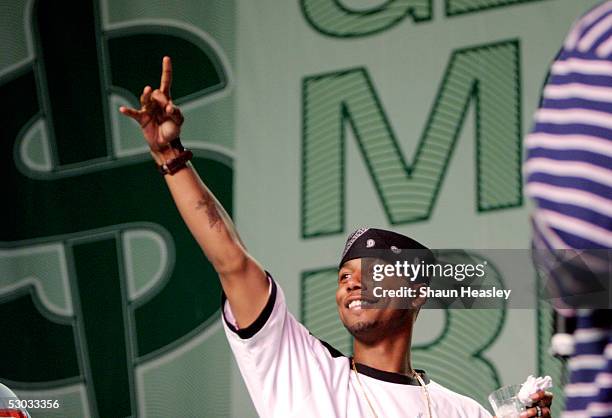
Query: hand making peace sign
{"points": [[159, 119]]}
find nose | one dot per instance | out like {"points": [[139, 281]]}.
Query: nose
{"points": [[354, 282]]}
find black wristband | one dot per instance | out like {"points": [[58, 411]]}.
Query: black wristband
{"points": [[176, 164], [176, 144]]}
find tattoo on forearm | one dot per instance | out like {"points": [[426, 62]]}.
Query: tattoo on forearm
{"points": [[208, 203]]}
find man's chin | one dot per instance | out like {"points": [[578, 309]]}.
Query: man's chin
{"points": [[362, 329]]}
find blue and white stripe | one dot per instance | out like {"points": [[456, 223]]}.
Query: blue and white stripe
{"points": [[569, 158], [569, 176], [589, 393]]}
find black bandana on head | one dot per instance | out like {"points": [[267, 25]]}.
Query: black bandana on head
{"points": [[388, 245]]}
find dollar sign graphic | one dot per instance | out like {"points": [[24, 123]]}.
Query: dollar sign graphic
{"points": [[88, 198]]}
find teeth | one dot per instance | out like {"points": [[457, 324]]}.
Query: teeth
{"points": [[356, 304]]}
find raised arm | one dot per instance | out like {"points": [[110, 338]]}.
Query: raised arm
{"points": [[244, 281]]}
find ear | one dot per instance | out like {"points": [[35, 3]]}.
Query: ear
{"points": [[417, 302]]}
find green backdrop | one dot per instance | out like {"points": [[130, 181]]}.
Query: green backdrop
{"points": [[309, 118]]}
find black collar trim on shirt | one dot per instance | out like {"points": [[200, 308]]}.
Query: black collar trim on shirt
{"points": [[261, 320], [390, 376], [332, 351]]}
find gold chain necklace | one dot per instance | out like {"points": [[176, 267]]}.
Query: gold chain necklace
{"points": [[414, 373]]}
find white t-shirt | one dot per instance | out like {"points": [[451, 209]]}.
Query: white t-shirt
{"points": [[290, 373]]}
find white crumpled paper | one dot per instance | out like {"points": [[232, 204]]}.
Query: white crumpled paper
{"points": [[531, 386]]}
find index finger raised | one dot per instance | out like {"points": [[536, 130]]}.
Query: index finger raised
{"points": [[166, 77]]}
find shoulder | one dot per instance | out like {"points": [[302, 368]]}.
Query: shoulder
{"points": [[275, 330], [465, 404], [589, 32]]}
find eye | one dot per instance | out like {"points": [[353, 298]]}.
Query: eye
{"points": [[344, 277]]}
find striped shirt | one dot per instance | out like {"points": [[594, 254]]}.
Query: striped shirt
{"points": [[569, 177]]}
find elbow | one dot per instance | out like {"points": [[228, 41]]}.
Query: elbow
{"points": [[234, 263]]}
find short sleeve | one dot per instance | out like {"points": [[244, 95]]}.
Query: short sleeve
{"points": [[279, 360]]}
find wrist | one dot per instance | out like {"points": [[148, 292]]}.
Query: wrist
{"points": [[165, 155], [168, 152], [172, 158]]}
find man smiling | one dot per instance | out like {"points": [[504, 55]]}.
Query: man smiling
{"points": [[289, 372]]}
